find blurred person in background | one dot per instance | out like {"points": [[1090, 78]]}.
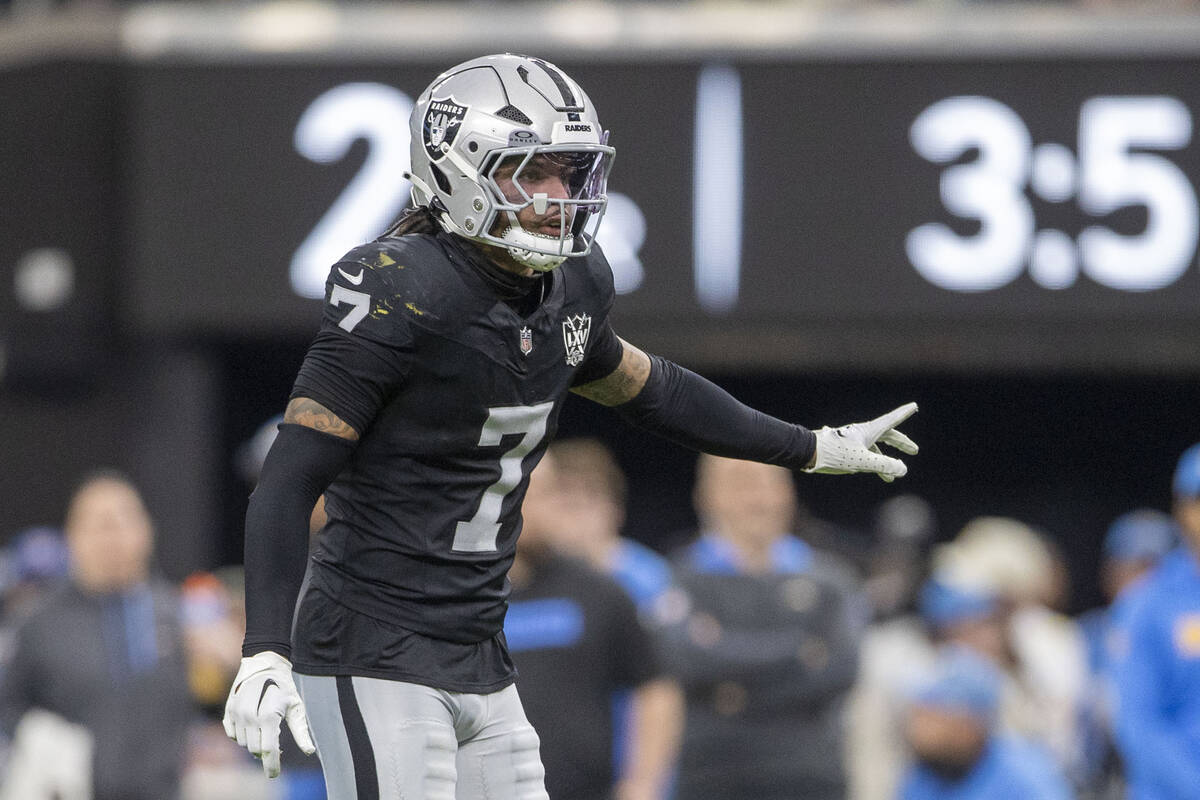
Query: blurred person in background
{"points": [[1046, 657], [105, 654], [763, 634], [577, 643], [1134, 544], [896, 657], [979, 620], [958, 754], [1156, 660], [593, 492], [968, 617]]}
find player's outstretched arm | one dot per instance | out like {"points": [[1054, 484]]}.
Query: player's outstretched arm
{"points": [[313, 446], [664, 398]]}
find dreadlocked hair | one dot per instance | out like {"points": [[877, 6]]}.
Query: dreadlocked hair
{"points": [[415, 219]]}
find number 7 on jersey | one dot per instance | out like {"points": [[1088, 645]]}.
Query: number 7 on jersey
{"points": [[478, 534]]}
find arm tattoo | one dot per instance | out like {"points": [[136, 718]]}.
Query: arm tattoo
{"points": [[311, 414], [623, 383]]}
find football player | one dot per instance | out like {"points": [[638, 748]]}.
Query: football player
{"points": [[429, 394]]}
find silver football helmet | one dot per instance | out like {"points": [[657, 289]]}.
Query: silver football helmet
{"points": [[497, 135]]}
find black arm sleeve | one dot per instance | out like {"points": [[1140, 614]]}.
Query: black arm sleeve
{"points": [[687, 409], [300, 464]]}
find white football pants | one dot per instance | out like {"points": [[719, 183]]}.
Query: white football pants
{"points": [[390, 740]]}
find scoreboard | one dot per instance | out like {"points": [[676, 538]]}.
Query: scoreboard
{"points": [[1029, 211]]}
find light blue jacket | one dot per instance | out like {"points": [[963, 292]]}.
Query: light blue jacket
{"points": [[1156, 671]]}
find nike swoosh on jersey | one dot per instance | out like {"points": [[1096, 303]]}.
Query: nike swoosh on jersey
{"points": [[355, 279], [267, 684]]}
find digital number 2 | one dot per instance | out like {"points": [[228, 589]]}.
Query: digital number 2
{"points": [[478, 534], [324, 134]]}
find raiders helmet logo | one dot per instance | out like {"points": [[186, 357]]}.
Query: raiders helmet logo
{"points": [[443, 119]]}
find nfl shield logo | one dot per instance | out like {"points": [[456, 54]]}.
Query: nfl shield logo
{"points": [[526, 341], [442, 121], [575, 336]]}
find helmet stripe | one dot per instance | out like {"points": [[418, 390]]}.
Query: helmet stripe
{"points": [[560, 80]]}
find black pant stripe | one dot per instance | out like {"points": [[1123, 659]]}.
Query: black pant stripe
{"points": [[366, 779]]}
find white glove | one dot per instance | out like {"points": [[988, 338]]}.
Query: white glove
{"points": [[853, 448], [263, 694]]}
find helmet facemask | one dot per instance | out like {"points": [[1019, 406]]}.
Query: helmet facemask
{"points": [[561, 190]]}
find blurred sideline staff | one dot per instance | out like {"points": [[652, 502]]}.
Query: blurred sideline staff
{"points": [[896, 656], [577, 642], [988, 592], [958, 754], [1041, 651], [763, 634], [1156, 660], [593, 490], [1134, 544], [102, 660]]}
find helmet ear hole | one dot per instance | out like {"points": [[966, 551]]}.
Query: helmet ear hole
{"points": [[440, 177]]}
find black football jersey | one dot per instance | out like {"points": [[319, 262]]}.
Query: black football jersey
{"points": [[455, 395]]}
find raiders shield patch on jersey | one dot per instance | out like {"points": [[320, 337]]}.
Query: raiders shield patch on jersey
{"points": [[575, 336], [443, 120], [526, 341]]}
